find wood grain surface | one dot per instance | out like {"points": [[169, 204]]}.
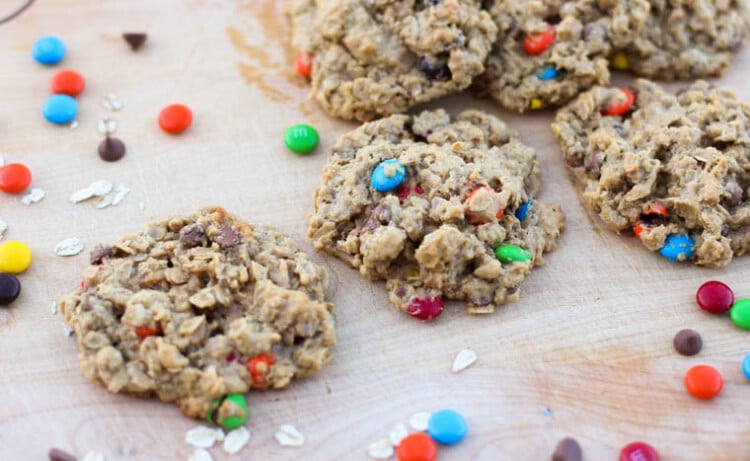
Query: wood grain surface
{"points": [[590, 340]]}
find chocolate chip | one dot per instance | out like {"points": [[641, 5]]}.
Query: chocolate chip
{"points": [[688, 342], [735, 193], [99, 253], [10, 288], [593, 162], [135, 39], [567, 450], [228, 237], [111, 149], [192, 234], [440, 72], [56, 454]]}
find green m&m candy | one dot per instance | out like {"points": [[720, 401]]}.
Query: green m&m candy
{"points": [[740, 313], [301, 139], [229, 412], [511, 253]]}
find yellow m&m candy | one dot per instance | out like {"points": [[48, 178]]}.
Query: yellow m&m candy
{"points": [[15, 257]]}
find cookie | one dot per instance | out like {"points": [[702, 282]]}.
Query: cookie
{"points": [[678, 39], [673, 168], [181, 310], [380, 57], [546, 52], [438, 208]]}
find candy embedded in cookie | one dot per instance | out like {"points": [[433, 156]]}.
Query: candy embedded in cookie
{"points": [[439, 208], [197, 310], [670, 167], [545, 53], [370, 58]]}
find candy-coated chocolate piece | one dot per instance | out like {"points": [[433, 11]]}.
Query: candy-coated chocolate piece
{"points": [[447, 427], [60, 109], [14, 178], [48, 50], [15, 257], [67, 82], [678, 247], [228, 412], [703, 382], [388, 175], [511, 253], [301, 138], [715, 297], [175, 118]]}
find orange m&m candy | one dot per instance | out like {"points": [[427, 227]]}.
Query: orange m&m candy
{"points": [[175, 118], [417, 446], [14, 177], [67, 82], [621, 106], [703, 382], [304, 63]]}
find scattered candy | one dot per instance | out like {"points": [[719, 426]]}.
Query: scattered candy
{"points": [[620, 61], [523, 211], [678, 247], [746, 366], [10, 288], [15, 257], [236, 440], [380, 449], [538, 43], [14, 178], [740, 313], [229, 412], [447, 427], [388, 175], [135, 39], [112, 102], [703, 382], [463, 360], [419, 421], [620, 106], [304, 63], [567, 449], [175, 118], [301, 138], [60, 109], [203, 437], [48, 50], [95, 189], [715, 297], [547, 73], [67, 82], [638, 451], [34, 196], [397, 434], [69, 247], [417, 447], [687, 342], [425, 308], [289, 436], [111, 149], [511, 253]]}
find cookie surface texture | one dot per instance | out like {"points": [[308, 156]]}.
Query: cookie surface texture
{"points": [[678, 39], [181, 308], [546, 52], [380, 57], [435, 235], [673, 165]]}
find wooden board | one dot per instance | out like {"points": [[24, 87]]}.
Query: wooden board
{"points": [[590, 339]]}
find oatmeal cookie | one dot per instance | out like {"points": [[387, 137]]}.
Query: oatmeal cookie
{"points": [[677, 39], [674, 168], [182, 308], [380, 57], [546, 53], [436, 208]]}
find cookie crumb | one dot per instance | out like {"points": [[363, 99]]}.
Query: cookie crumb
{"points": [[464, 360], [203, 437], [69, 247], [419, 421], [33, 196], [289, 436], [236, 440], [380, 449]]}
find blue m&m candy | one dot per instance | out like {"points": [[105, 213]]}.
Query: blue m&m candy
{"points": [[523, 211], [447, 427], [678, 247], [60, 109], [48, 50], [746, 366], [388, 175], [547, 73]]}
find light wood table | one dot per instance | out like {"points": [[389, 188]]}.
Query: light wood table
{"points": [[590, 340]]}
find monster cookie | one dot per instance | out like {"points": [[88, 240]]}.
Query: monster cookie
{"points": [[676, 39], [438, 208], [196, 308], [379, 57], [546, 52], [672, 168]]}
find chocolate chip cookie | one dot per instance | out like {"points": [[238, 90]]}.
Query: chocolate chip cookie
{"points": [[677, 39], [673, 168], [380, 57], [438, 208], [546, 52], [188, 308]]}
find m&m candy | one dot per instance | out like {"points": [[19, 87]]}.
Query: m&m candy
{"points": [[678, 247], [175, 118], [538, 43], [48, 50], [301, 138], [14, 178], [511, 253], [60, 109], [417, 446], [447, 427], [746, 366], [703, 382], [10, 288], [15, 257], [304, 63], [740, 313], [620, 105], [388, 175], [638, 451], [425, 308], [228, 412], [715, 297], [67, 82]]}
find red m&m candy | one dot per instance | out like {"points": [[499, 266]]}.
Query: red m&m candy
{"points": [[715, 297], [304, 63], [538, 43], [417, 446], [14, 177], [67, 82], [638, 451], [622, 105]]}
